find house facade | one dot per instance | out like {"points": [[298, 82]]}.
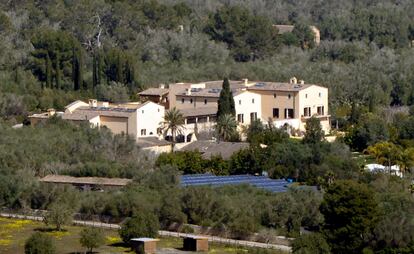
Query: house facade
{"points": [[291, 104], [135, 119], [280, 103]]}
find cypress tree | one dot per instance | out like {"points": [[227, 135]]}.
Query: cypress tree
{"points": [[119, 69], [80, 67], [100, 68], [129, 72], [94, 71], [57, 70], [226, 101], [77, 66], [48, 72]]}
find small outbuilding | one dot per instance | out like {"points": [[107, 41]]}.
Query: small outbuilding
{"points": [[195, 243], [144, 245]]}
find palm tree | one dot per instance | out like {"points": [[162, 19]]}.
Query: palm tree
{"points": [[226, 127], [174, 122], [406, 161]]}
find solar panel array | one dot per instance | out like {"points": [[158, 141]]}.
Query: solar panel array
{"points": [[263, 182]]}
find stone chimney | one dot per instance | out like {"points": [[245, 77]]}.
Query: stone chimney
{"points": [[293, 80], [93, 103], [162, 86], [51, 112], [188, 91], [246, 81], [302, 82]]}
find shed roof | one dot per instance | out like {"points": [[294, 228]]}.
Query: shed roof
{"points": [[86, 180], [151, 141], [154, 91], [212, 148], [284, 28], [193, 112], [196, 237], [277, 86], [145, 239]]}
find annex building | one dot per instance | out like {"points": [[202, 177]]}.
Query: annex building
{"points": [[135, 119]]}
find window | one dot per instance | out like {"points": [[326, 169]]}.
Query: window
{"points": [[253, 101], [158, 110], [202, 119], [142, 111], [307, 111], [320, 94], [321, 110], [239, 102], [143, 132], [191, 120], [289, 96], [275, 113], [274, 95], [306, 96], [205, 101], [182, 100], [191, 100], [289, 113], [240, 118], [253, 116]]}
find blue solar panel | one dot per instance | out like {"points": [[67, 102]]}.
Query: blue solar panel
{"points": [[263, 182]]}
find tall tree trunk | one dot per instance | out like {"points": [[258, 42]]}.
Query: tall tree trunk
{"points": [[173, 132]]}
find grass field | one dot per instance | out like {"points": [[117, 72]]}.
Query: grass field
{"points": [[14, 232]]}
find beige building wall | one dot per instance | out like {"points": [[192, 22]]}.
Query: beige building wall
{"points": [[276, 99], [314, 97], [95, 122], [173, 90], [117, 125], [195, 102]]}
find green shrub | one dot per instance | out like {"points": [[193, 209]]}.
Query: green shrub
{"points": [[91, 238], [39, 243], [140, 225]]}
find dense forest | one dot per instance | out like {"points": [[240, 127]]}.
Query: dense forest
{"points": [[57, 51]]}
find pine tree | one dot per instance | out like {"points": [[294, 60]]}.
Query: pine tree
{"points": [[226, 101], [57, 71], [48, 72], [100, 68]]}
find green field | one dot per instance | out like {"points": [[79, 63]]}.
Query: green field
{"points": [[14, 232]]}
